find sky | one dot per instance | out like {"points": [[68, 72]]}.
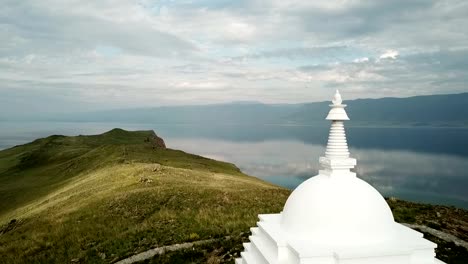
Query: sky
{"points": [[68, 55]]}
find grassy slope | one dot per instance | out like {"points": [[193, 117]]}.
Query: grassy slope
{"points": [[98, 199], [101, 198]]}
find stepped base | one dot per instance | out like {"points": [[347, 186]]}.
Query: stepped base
{"points": [[269, 244]]}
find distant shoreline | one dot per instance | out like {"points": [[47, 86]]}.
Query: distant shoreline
{"points": [[311, 124]]}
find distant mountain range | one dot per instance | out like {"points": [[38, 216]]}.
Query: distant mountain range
{"points": [[449, 109], [431, 110]]}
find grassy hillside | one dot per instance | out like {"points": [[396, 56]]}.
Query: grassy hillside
{"points": [[102, 198]]}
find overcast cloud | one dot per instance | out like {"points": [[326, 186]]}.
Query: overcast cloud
{"points": [[69, 55]]}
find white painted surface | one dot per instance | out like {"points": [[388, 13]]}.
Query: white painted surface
{"points": [[336, 218]]}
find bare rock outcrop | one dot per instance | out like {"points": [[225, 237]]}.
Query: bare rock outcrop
{"points": [[155, 141]]}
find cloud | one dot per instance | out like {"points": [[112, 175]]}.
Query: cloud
{"points": [[389, 54], [323, 53], [61, 27], [127, 53], [360, 60], [432, 72]]}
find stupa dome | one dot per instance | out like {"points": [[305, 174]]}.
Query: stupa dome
{"points": [[338, 210]]}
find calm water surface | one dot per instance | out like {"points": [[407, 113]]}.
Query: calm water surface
{"points": [[418, 164]]}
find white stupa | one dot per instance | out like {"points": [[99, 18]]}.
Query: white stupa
{"points": [[335, 218]]}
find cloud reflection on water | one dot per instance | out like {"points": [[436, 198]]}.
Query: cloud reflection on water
{"points": [[435, 178]]}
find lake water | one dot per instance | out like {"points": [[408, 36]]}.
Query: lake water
{"points": [[418, 164]]}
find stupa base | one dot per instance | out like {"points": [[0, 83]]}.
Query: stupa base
{"points": [[269, 244]]}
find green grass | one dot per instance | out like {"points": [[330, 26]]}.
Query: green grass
{"points": [[101, 198], [31, 171]]}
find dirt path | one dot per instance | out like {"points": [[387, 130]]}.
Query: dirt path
{"points": [[161, 250], [440, 234]]}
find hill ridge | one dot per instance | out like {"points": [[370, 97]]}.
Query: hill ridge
{"points": [[424, 110]]}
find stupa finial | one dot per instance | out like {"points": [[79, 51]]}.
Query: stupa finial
{"points": [[337, 111], [337, 99]]}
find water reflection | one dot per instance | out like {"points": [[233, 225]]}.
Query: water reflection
{"points": [[426, 177], [430, 140]]}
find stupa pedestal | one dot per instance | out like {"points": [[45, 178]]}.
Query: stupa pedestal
{"points": [[335, 218]]}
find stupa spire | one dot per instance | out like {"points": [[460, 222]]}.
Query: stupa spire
{"points": [[337, 152]]}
